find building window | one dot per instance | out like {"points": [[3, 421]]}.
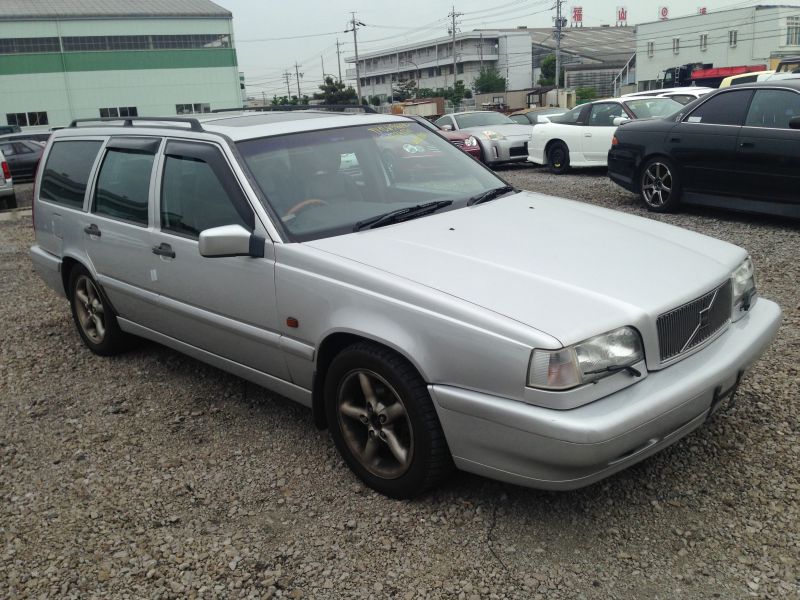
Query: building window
{"points": [[733, 38], [651, 48], [29, 45], [793, 31], [703, 42], [27, 119], [122, 111], [498, 100], [100, 43], [190, 109], [676, 45]]}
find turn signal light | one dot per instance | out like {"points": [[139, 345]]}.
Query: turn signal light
{"points": [[614, 141]]}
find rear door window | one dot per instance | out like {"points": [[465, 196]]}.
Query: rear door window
{"points": [[67, 171], [123, 183], [727, 108], [773, 109], [7, 150]]}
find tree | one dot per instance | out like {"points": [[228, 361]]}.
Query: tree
{"points": [[585, 94], [334, 92], [375, 100], [548, 66], [456, 93], [404, 90], [489, 80], [426, 93]]}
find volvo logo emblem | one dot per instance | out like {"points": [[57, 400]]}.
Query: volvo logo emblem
{"points": [[703, 317]]}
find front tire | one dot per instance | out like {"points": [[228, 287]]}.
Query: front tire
{"points": [[383, 422], [93, 315], [558, 158], [660, 185]]}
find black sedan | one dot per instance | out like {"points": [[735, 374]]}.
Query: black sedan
{"points": [[22, 157], [738, 148]]}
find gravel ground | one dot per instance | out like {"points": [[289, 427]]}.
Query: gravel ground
{"points": [[151, 475]]}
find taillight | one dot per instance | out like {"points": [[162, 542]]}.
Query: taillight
{"points": [[614, 141], [33, 194], [6, 171]]}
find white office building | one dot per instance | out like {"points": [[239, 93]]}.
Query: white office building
{"points": [[430, 63], [743, 36]]}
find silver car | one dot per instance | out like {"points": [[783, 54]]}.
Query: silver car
{"points": [[502, 140], [7, 197], [429, 314]]}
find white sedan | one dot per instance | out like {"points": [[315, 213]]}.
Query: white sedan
{"points": [[582, 137]]}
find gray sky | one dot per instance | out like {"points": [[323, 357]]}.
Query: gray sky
{"points": [[264, 59]]}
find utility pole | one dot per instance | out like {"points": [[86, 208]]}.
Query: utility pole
{"points": [[339, 60], [480, 49], [286, 76], [322, 63], [355, 24], [560, 21], [298, 75], [453, 14], [263, 98]]}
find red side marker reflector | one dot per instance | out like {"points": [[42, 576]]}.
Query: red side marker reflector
{"points": [[292, 322]]}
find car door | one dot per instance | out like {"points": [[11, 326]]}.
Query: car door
{"points": [[598, 130], [117, 231], [768, 149], [28, 155], [704, 144], [225, 306]]}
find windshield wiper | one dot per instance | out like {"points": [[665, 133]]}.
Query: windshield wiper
{"points": [[617, 368], [491, 194], [402, 214]]}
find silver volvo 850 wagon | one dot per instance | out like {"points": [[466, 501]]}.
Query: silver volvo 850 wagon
{"points": [[429, 314]]}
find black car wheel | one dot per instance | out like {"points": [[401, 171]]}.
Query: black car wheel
{"points": [[558, 158], [659, 185], [383, 421]]}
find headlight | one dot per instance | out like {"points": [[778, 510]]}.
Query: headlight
{"points": [[470, 142], [493, 135], [592, 359], [744, 287]]}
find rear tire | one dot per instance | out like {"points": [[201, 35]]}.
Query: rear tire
{"points": [[558, 158], [383, 421], [93, 315], [659, 185]]}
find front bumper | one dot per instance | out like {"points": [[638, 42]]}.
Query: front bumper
{"points": [[506, 151], [567, 449]]}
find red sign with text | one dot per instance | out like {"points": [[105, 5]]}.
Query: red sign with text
{"points": [[577, 14]]}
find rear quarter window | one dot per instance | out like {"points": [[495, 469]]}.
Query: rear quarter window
{"points": [[67, 170]]}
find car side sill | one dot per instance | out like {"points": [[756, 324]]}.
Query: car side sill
{"points": [[781, 209], [279, 386]]}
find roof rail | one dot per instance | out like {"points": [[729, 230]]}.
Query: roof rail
{"points": [[194, 124], [287, 107]]}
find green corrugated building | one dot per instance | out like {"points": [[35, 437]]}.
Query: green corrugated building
{"points": [[69, 59]]}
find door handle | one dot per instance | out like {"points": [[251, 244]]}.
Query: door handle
{"points": [[164, 250], [747, 145], [92, 230], [675, 140], [587, 135]]}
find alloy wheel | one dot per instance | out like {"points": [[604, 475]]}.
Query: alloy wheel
{"points": [[657, 184], [375, 424], [90, 310]]}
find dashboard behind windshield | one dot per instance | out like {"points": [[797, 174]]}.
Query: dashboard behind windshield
{"points": [[321, 183]]}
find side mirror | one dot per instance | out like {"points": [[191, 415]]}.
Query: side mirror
{"points": [[620, 120], [794, 123], [447, 127], [230, 240]]}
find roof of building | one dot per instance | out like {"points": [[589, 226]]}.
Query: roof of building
{"points": [[710, 14], [465, 35], [596, 44], [17, 10]]}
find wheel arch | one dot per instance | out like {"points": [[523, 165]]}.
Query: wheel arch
{"points": [[549, 145], [646, 158], [330, 347]]}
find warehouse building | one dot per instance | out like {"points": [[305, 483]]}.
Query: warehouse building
{"points": [[67, 59], [753, 35]]}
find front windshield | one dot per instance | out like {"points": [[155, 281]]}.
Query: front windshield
{"points": [[789, 67], [321, 183], [482, 119], [653, 107]]}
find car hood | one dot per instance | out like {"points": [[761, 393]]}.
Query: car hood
{"points": [[510, 130], [565, 268]]}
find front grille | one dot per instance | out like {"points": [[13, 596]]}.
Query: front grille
{"points": [[519, 150], [458, 143], [688, 326]]}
